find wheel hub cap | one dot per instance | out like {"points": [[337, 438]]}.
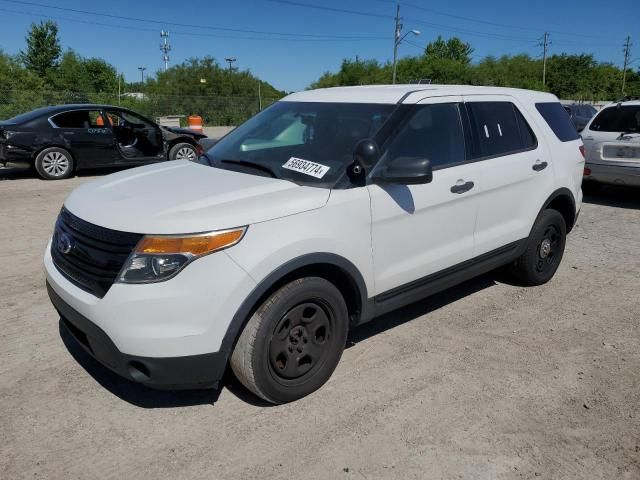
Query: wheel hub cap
{"points": [[545, 248], [300, 341]]}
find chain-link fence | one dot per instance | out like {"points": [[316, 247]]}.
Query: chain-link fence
{"points": [[214, 110]]}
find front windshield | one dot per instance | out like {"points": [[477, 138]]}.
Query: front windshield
{"points": [[305, 142]]}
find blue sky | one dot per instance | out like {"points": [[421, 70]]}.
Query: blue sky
{"points": [[312, 41]]}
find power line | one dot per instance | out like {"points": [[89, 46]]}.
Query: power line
{"points": [[495, 24], [187, 25], [194, 34], [412, 20]]}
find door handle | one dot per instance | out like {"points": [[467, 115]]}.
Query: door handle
{"points": [[461, 186], [539, 165]]}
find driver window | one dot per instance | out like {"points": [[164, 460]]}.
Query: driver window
{"points": [[125, 119], [433, 132]]}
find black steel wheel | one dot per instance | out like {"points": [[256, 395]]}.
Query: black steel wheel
{"points": [[545, 248], [293, 342]]}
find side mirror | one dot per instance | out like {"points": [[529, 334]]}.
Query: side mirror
{"points": [[405, 171]]}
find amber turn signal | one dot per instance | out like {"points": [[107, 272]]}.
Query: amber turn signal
{"points": [[195, 245]]}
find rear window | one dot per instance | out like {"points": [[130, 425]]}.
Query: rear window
{"points": [[622, 118], [559, 121], [499, 129]]}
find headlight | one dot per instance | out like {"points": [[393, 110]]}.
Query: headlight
{"points": [[158, 258]]}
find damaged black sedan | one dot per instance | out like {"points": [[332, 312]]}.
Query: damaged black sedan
{"points": [[61, 139]]}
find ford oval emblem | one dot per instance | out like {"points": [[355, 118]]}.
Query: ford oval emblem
{"points": [[64, 243]]}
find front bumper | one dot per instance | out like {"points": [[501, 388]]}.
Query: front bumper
{"points": [[195, 371], [174, 329], [613, 174]]}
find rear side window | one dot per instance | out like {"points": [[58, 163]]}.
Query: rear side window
{"points": [[77, 119], [623, 118], [499, 129], [559, 121]]}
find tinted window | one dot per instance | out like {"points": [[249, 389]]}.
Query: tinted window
{"points": [[496, 128], [433, 132], [623, 118], [557, 118], [77, 119], [527, 136]]}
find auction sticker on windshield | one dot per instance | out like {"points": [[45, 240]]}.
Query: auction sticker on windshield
{"points": [[305, 166]]}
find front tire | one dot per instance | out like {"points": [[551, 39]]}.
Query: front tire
{"points": [[54, 163], [293, 342], [183, 151], [545, 248]]}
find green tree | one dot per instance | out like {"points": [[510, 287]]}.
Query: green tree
{"points": [[451, 49], [43, 48]]}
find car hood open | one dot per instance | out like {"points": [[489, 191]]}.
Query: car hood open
{"points": [[185, 197]]}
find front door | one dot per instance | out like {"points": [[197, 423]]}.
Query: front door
{"points": [[91, 144], [137, 140], [418, 230]]}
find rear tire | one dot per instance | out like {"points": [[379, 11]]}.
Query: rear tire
{"points": [[293, 342], [545, 248], [54, 163], [183, 151]]}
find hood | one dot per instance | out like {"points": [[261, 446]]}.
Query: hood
{"points": [[185, 197]]}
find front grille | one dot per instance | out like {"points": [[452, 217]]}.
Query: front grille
{"points": [[88, 255]]}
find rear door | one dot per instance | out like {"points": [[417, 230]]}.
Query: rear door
{"points": [[516, 176], [83, 131]]}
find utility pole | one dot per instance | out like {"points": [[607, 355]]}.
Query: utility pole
{"points": [[545, 47], [627, 57], [230, 60], [396, 42], [165, 48], [142, 69], [259, 96], [119, 81]]}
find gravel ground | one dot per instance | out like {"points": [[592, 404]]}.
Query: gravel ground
{"points": [[487, 380]]}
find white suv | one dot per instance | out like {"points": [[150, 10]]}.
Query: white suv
{"points": [[322, 212]]}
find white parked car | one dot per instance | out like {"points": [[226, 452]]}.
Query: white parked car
{"points": [[612, 146], [322, 212]]}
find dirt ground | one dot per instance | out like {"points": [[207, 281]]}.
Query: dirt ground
{"points": [[487, 380]]}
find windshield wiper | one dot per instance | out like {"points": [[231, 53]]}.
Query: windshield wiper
{"points": [[255, 165]]}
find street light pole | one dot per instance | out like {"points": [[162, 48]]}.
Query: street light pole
{"points": [[142, 69], [397, 40], [230, 60]]}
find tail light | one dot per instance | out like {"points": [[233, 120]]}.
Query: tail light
{"points": [[587, 171], [581, 147]]}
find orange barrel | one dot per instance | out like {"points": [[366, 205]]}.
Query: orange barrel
{"points": [[195, 123]]}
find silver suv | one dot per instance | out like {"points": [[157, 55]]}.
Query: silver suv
{"points": [[612, 144]]}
